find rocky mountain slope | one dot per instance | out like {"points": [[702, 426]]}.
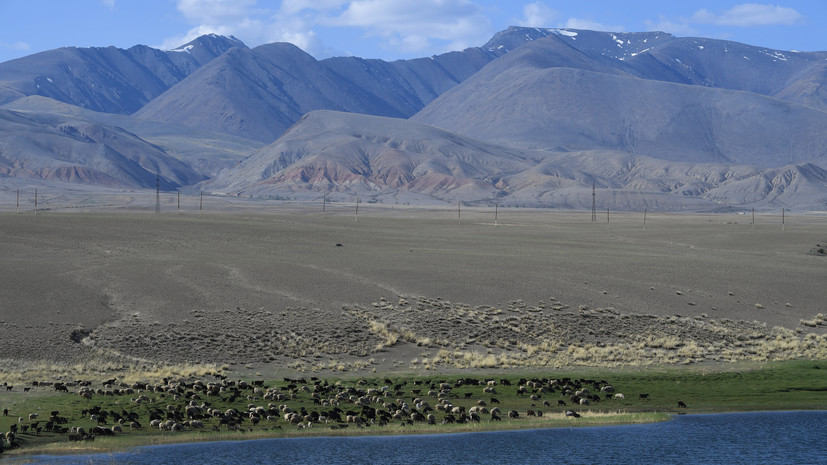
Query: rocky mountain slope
{"points": [[56, 148], [347, 156], [109, 79], [534, 102], [258, 93], [377, 158], [206, 152]]}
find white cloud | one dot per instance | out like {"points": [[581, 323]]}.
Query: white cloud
{"points": [[296, 29], [578, 23], [239, 18], [404, 13], [664, 24], [16, 46], [109, 4], [750, 14], [215, 12], [399, 26], [744, 15], [295, 6], [413, 27], [537, 14]]}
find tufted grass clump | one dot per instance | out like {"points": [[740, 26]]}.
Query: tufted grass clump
{"points": [[16, 371], [816, 321]]}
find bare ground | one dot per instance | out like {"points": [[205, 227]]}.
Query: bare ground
{"points": [[268, 288]]}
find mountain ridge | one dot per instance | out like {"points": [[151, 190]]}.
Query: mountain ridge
{"points": [[534, 117]]}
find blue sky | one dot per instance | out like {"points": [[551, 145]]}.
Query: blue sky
{"points": [[391, 29]]}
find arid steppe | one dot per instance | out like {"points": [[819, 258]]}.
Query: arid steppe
{"points": [[276, 287]]}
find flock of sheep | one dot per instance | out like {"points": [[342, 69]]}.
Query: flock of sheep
{"points": [[175, 405]]}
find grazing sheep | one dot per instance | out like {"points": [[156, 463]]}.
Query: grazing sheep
{"points": [[681, 404], [619, 396]]}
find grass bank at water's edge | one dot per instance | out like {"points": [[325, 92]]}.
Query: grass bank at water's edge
{"points": [[795, 385]]}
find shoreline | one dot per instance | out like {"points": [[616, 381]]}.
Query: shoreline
{"points": [[781, 386], [322, 431], [662, 417]]}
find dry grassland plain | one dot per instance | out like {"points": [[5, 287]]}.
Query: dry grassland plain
{"points": [[272, 288]]}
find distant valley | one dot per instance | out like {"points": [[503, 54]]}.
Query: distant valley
{"points": [[533, 118]]}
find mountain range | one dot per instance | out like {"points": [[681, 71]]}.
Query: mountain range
{"points": [[534, 117]]}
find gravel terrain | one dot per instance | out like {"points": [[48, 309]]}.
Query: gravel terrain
{"points": [[287, 287]]}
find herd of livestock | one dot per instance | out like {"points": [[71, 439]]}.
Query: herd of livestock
{"points": [[175, 405]]}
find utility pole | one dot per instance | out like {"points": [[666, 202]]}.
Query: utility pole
{"points": [[35, 201], [496, 207], [157, 194], [594, 203]]}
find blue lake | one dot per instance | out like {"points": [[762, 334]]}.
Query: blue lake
{"points": [[738, 438]]}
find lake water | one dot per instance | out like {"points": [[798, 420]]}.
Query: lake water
{"points": [[737, 438]]}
